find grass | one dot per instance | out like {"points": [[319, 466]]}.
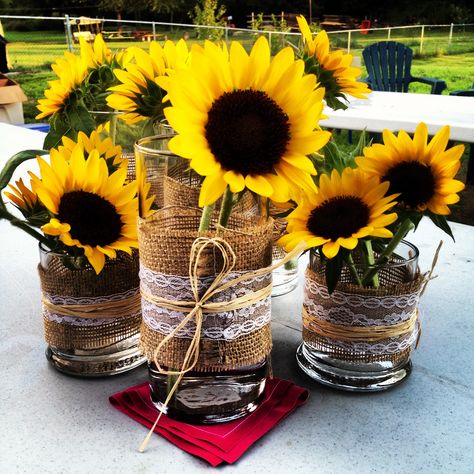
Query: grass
{"points": [[34, 73]]}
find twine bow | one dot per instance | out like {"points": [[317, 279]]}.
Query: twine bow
{"points": [[202, 304]]}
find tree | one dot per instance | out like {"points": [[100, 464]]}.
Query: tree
{"points": [[208, 12]]}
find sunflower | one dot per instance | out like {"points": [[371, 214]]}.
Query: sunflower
{"points": [[333, 70], [421, 172], [90, 209], [246, 121], [111, 153], [71, 71], [139, 95], [95, 54], [348, 207], [22, 196]]}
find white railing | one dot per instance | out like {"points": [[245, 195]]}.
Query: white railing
{"points": [[70, 21]]}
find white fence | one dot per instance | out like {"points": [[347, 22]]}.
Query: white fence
{"points": [[33, 49]]}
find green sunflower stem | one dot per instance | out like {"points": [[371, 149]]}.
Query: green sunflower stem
{"points": [[375, 283], [21, 224], [206, 218], [113, 128], [226, 207], [352, 268], [401, 232]]}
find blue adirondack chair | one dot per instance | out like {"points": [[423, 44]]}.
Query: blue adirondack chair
{"points": [[388, 65], [470, 163]]}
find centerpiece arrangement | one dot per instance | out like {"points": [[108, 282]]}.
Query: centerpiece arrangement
{"points": [[83, 210], [244, 122], [363, 284]]}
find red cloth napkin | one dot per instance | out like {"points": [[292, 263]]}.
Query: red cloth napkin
{"points": [[222, 442]]}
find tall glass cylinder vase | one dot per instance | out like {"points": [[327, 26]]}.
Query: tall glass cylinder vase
{"points": [[360, 338], [233, 334], [91, 322]]}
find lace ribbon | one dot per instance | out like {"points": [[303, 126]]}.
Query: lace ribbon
{"points": [[93, 311], [224, 325]]}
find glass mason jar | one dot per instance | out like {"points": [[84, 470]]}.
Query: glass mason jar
{"points": [[360, 338], [152, 160], [91, 322], [229, 377]]}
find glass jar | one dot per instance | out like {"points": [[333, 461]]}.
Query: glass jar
{"points": [[228, 378], [109, 124], [84, 339], [360, 338], [152, 160]]}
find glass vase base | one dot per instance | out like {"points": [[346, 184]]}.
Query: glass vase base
{"points": [[96, 362], [207, 398], [351, 376]]}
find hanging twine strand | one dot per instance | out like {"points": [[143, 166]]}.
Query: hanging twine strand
{"points": [[201, 305]]}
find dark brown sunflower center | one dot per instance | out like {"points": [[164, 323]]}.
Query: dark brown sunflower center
{"points": [[93, 220], [338, 217], [414, 180], [247, 132]]}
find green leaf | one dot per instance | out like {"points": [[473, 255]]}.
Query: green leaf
{"points": [[80, 119], [441, 222], [359, 148], [333, 271], [333, 157], [16, 160]]}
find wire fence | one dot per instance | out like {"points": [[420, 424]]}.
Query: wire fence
{"points": [[31, 45]]}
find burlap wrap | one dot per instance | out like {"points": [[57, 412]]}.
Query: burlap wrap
{"points": [[352, 310], [165, 242], [181, 187], [118, 276]]}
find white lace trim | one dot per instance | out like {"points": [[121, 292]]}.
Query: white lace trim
{"points": [[71, 300], [346, 317], [394, 346], [225, 326], [362, 301]]}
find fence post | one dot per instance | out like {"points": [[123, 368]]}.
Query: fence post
{"points": [[67, 27], [153, 27], [422, 38], [389, 32], [226, 33], [450, 35], [349, 41], [270, 39]]}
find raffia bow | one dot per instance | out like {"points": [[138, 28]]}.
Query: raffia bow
{"points": [[202, 304]]}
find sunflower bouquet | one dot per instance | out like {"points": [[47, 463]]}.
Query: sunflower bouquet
{"points": [[81, 201], [365, 205], [76, 100]]}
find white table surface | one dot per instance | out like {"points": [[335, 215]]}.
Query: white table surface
{"points": [[403, 111], [52, 423]]}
